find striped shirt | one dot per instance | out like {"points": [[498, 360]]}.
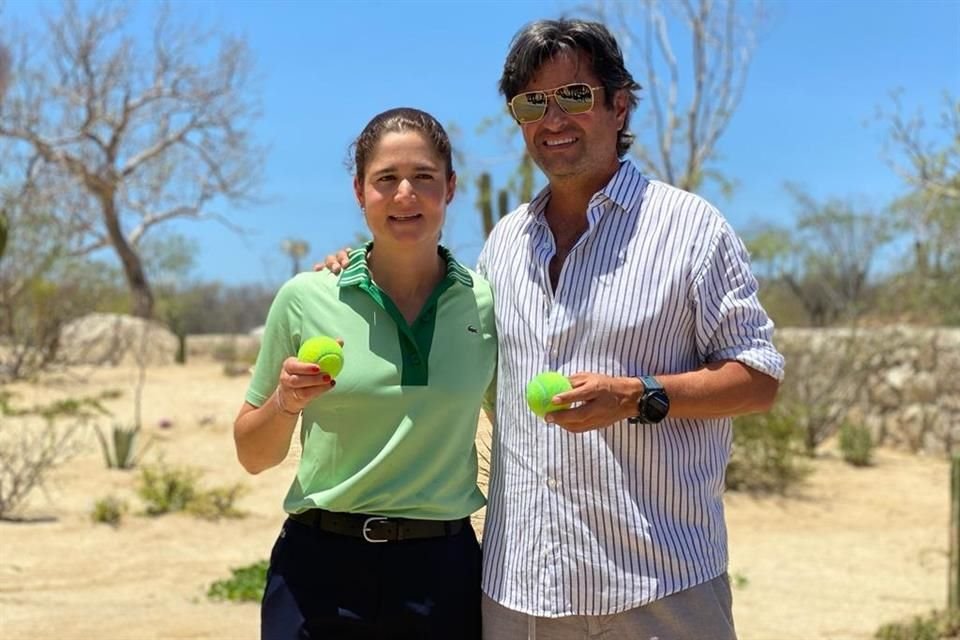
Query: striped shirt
{"points": [[615, 518]]}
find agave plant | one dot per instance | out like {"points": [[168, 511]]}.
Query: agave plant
{"points": [[120, 452]]}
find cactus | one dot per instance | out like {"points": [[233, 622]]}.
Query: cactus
{"points": [[523, 175], [485, 203], [4, 229], [120, 451], [503, 202]]}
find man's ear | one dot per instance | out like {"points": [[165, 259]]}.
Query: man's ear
{"points": [[451, 186], [620, 104]]}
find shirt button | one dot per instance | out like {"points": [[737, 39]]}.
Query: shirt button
{"points": [[552, 483]]}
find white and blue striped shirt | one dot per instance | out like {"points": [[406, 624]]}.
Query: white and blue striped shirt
{"points": [[608, 520]]}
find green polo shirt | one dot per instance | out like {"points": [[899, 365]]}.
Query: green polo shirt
{"points": [[396, 435]]}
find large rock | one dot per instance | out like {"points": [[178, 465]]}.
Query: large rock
{"points": [[113, 339]]}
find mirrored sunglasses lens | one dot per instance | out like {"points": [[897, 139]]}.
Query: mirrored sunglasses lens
{"points": [[528, 107], [575, 98]]}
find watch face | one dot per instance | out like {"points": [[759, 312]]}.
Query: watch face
{"points": [[655, 406]]}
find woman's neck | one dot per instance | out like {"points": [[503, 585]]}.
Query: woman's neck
{"points": [[406, 274]]}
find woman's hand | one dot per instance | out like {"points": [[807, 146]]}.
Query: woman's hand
{"points": [[301, 383]]}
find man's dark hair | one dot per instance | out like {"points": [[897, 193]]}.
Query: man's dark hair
{"points": [[540, 41]]}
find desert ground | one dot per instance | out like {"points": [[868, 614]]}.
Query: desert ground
{"points": [[849, 550]]}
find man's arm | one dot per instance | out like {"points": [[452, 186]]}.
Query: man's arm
{"points": [[719, 389]]}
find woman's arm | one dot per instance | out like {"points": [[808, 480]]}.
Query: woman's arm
{"points": [[262, 434]]}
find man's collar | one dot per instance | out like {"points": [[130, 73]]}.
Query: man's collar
{"points": [[619, 190]]}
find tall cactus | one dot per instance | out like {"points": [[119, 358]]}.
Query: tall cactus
{"points": [[521, 183], [503, 202], [485, 202], [4, 226]]}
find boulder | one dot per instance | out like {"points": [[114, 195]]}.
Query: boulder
{"points": [[114, 339]]}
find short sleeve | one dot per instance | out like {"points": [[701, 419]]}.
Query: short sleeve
{"points": [[281, 336]]}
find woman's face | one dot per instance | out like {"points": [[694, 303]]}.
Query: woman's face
{"points": [[405, 190]]}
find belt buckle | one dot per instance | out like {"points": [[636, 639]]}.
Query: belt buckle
{"points": [[366, 529]]}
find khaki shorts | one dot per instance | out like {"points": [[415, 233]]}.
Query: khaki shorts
{"points": [[703, 612]]}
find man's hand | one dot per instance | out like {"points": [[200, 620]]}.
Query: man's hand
{"points": [[603, 400], [335, 263]]}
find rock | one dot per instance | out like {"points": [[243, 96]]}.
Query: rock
{"points": [[114, 339]]}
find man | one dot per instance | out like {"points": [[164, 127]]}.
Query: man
{"points": [[608, 518], [611, 519]]}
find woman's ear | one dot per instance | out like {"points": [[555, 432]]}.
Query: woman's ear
{"points": [[451, 186]]}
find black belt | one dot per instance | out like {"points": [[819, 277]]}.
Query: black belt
{"points": [[377, 528]]}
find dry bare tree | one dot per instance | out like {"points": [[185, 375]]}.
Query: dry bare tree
{"points": [[4, 69], [691, 97], [4, 79], [929, 165], [932, 167], [130, 131]]}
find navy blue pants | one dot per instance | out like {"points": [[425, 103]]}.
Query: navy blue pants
{"points": [[326, 586]]}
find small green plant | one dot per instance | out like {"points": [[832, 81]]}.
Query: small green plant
{"points": [[120, 451], [217, 503], [767, 453], [938, 625], [167, 489], [109, 510], [246, 584], [856, 444]]}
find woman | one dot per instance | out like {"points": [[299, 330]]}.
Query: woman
{"points": [[378, 542]]}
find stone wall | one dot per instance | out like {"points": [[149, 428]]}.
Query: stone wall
{"points": [[903, 383], [223, 347]]}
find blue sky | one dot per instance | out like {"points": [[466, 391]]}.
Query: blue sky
{"points": [[819, 73]]}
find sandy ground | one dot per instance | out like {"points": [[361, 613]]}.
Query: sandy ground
{"points": [[852, 549]]}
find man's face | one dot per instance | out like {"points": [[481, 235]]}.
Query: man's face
{"points": [[565, 145]]}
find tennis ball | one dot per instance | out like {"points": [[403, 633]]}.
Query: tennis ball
{"points": [[542, 388], [324, 352]]}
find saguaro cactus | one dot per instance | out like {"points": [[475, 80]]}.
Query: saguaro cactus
{"points": [[520, 184], [4, 225]]}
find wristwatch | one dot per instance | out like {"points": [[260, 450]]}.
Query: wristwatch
{"points": [[653, 405]]}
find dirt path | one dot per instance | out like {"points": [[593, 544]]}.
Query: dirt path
{"points": [[853, 549]]}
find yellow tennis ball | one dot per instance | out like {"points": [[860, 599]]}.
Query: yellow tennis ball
{"points": [[542, 388], [324, 352]]}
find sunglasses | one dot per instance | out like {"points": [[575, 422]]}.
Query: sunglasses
{"points": [[575, 98]]}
